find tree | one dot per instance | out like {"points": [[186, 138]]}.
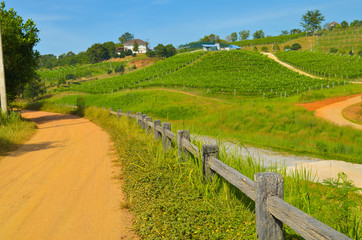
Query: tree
{"points": [[244, 34], [111, 48], [296, 46], [165, 51], [126, 37], [97, 53], [312, 21], [356, 23], [233, 37], [20, 59], [285, 32], [211, 38], [258, 34], [344, 24], [295, 31], [135, 46]]}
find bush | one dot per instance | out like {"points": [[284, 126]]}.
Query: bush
{"points": [[134, 54], [109, 71], [150, 53], [128, 53], [359, 53], [296, 46], [264, 49], [119, 69], [333, 50], [255, 49], [350, 53], [70, 76]]}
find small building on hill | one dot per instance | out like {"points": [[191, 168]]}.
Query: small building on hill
{"points": [[232, 47], [332, 25], [211, 47], [142, 46]]}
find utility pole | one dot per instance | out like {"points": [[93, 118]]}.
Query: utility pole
{"points": [[4, 103]]}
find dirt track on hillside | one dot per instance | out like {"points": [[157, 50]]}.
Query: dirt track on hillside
{"points": [[61, 184]]}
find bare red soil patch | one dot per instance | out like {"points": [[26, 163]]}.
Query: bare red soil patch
{"points": [[318, 104], [143, 63]]}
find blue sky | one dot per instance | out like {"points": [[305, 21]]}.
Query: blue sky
{"points": [[74, 25]]}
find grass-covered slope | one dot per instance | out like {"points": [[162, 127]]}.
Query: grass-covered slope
{"points": [[269, 40], [237, 72], [341, 67]]}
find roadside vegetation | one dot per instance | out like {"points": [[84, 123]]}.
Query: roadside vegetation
{"points": [[13, 131]]}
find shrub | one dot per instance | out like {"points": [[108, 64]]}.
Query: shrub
{"points": [[333, 50], [150, 53], [128, 53], [296, 46], [70, 76], [119, 69], [109, 71], [264, 49], [255, 49], [287, 48], [134, 54]]}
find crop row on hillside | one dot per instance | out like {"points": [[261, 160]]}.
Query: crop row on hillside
{"points": [[325, 65], [269, 40], [236, 72]]}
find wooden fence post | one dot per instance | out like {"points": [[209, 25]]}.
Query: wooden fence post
{"points": [[129, 114], [182, 152], [166, 142], [148, 128], [267, 226], [139, 118], [207, 152], [119, 111], [156, 133], [143, 121], [110, 111]]}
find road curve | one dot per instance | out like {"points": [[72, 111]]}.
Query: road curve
{"points": [[61, 184], [333, 112]]}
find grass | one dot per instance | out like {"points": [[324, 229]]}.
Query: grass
{"points": [[171, 200], [273, 123], [353, 113], [13, 131]]}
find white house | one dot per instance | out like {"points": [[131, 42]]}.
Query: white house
{"points": [[142, 46]]}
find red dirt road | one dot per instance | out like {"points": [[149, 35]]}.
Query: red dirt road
{"points": [[61, 184]]}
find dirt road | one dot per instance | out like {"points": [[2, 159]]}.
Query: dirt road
{"points": [[333, 112], [272, 56], [61, 184]]}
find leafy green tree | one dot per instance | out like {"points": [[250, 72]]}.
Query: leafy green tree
{"points": [[244, 34], [211, 38], [135, 46], [295, 31], [258, 34], [33, 89], [356, 23], [296, 46], [150, 54], [111, 48], [344, 24], [233, 37], [97, 53], [47, 61], [285, 32], [126, 37], [312, 21], [165, 51], [20, 59]]}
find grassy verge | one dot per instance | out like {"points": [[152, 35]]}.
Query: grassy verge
{"points": [[13, 131], [274, 123], [353, 113], [171, 200]]}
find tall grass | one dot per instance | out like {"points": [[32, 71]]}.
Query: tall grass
{"points": [[13, 131], [171, 199]]}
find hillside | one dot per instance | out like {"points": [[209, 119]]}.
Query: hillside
{"points": [[236, 72]]}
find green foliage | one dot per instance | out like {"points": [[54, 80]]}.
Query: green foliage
{"points": [[20, 59], [233, 37], [312, 20], [33, 89], [135, 46], [324, 65], [126, 37], [165, 51], [296, 46], [264, 49], [120, 69], [97, 53], [270, 40], [276, 48], [333, 50], [258, 34], [244, 35]]}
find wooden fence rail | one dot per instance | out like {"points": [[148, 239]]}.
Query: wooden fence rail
{"points": [[267, 190]]}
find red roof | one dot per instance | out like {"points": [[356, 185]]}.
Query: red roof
{"points": [[139, 41]]}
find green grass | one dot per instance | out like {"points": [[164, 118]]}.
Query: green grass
{"points": [[171, 200], [335, 66], [269, 40], [273, 123], [13, 131]]}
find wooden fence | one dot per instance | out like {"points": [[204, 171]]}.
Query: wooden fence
{"points": [[266, 189]]}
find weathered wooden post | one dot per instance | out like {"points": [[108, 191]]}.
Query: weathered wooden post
{"points": [[166, 141], [148, 127], [207, 152], [129, 114], [182, 152], [119, 111], [157, 134], [139, 118], [267, 226], [110, 111], [143, 123]]}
